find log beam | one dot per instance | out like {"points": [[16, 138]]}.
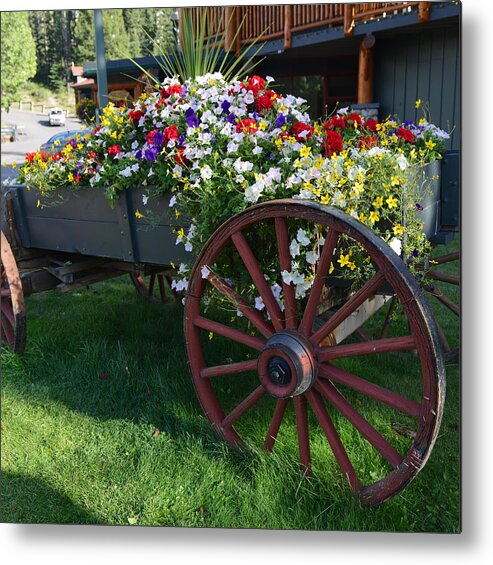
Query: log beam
{"points": [[348, 19], [424, 12], [288, 24], [365, 70]]}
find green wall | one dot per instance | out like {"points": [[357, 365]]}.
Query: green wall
{"points": [[426, 65]]}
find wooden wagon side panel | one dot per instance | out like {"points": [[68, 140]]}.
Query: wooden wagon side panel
{"points": [[82, 221]]}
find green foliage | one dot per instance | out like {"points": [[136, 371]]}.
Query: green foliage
{"points": [[18, 54], [86, 110]]}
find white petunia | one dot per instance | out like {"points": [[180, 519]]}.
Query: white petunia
{"points": [[402, 162], [205, 272], [172, 201], [302, 237], [294, 248], [206, 172], [312, 257], [259, 303]]}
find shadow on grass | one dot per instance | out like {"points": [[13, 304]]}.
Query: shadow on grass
{"points": [[26, 500]]}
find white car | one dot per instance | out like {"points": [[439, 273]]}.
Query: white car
{"points": [[56, 117]]}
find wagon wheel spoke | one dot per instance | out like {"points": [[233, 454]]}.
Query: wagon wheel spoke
{"points": [[320, 275], [228, 369], [275, 423], [290, 306], [366, 291], [258, 278], [300, 408], [7, 321], [386, 345], [370, 389], [243, 407], [333, 438], [229, 332], [254, 317], [330, 392]]}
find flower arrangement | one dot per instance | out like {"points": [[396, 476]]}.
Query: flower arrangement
{"points": [[221, 146]]}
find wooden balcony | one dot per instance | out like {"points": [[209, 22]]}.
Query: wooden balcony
{"points": [[281, 21]]}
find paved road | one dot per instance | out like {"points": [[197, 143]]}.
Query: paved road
{"points": [[37, 131]]}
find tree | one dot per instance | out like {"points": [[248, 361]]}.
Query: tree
{"points": [[18, 55], [116, 39], [83, 36]]}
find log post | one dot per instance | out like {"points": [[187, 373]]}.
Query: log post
{"points": [[424, 12], [348, 19], [230, 28], [365, 69], [288, 24]]}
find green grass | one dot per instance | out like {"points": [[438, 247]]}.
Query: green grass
{"points": [[101, 425]]}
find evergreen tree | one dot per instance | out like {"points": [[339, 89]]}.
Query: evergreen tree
{"points": [[18, 54], [83, 36], [116, 40]]}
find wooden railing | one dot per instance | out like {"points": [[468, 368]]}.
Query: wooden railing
{"points": [[280, 21]]}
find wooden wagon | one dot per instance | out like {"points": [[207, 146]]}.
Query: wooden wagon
{"points": [[295, 348]]}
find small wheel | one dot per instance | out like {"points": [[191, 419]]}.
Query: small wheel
{"points": [[153, 286], [273, 370], [13, 318]]}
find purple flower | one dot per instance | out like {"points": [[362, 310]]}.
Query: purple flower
{"points": [[231, 119], [226, 106], [419, 208], [181, 140], [151, 153], [415, 253], [408, 123], [138, 154], [158, 139], [191, 118], [280, 120]]}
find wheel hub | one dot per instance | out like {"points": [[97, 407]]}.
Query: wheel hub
{"points": [[287, 365]]}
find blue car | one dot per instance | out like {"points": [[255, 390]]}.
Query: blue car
{"points": [[58, 141]]}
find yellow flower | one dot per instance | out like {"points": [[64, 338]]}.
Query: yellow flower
{"points": [[422, 121], [38, 204], [395, 181], [305, 151], [362, 218], [391, 201], [374, 217], [172, 265], [344, 259], [430, 144], [378, 202], [70, 177], [181, 233], [398, 229], [418, 103], [14, 165], [177, 214], [263, 125], [211, 335], [331, 268], [279, 143], [138, 215], [358, 188]]}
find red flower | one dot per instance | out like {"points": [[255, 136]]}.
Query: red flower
{"points": [[354, 117], [368, 141], [45, 156], [180, 157], [30, 157], [371, 124], [57, 156], [333, 142], [336, 122], [299, 129], [95, 130], [92, 155], [255, 84], [114, 150], [246, 126], [170, 90], [135, 116], [263, 102], [171, 132], [405, 134]]}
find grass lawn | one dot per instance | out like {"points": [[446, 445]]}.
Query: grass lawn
{"points": [[100, 425]]}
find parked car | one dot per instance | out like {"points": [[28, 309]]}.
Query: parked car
{"points": [[56, 117], [58, 141]]}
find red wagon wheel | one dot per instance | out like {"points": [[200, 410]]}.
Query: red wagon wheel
{"points": [[153, 285], [279, 356], [13, 319]]}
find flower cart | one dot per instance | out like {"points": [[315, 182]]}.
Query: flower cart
{"points": [[299, 236]]}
